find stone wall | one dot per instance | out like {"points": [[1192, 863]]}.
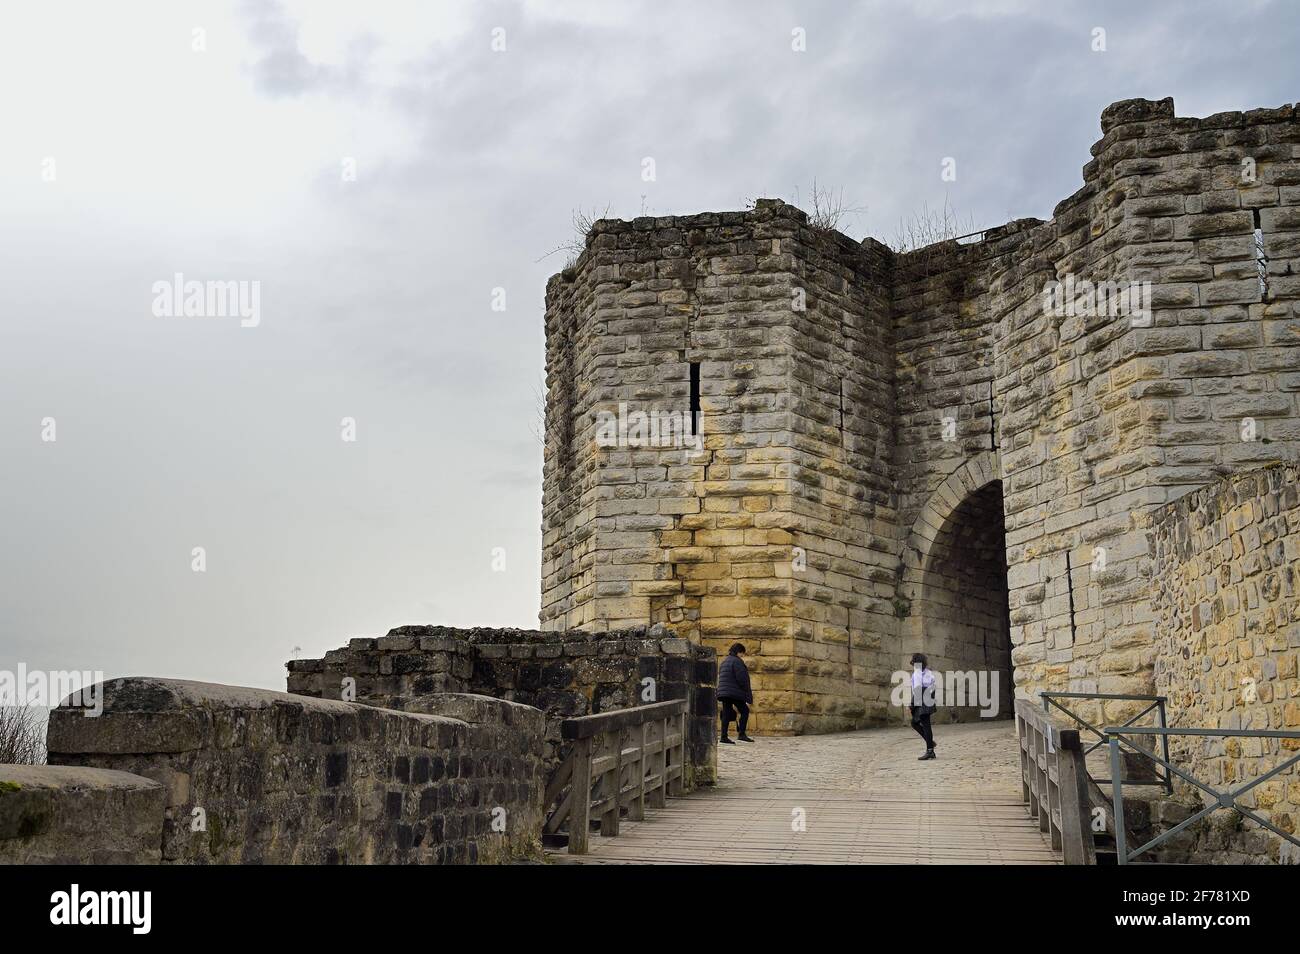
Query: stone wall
{"points": [[816, 526], [842, 511], [251, 776], [1227, 576], [61, 815], [648, 531], [563, 674], [1102, 419]]}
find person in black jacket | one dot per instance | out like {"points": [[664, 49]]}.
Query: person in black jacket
{"points": [[734, 692]]}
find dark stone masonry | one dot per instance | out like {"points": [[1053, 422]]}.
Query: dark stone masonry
{"points": [[563, 674], [240, 776]]}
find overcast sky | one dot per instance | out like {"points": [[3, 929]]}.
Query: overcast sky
{"points": [[127, 155]]}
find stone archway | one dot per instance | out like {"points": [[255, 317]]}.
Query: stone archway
{"points": [[953, 588]]}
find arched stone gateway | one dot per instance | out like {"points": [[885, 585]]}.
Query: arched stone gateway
{"points": [[953, 591]]}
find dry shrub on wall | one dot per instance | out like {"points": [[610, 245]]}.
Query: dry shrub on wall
{"points": [[22, 736]]}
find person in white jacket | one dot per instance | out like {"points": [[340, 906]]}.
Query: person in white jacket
{"points": [[923, 702]]}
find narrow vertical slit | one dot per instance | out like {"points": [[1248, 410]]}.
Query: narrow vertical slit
{"points": [[1069, 585], [841, 412], [695, 398], [1261, 259], [993, 421]]}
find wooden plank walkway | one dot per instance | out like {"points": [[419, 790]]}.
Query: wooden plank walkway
{"points": [[862, 798]]}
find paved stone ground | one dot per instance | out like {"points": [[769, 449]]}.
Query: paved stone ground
{"points": [[973, 757], [862, 797]]}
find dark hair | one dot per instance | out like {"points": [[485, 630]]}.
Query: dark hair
{"points": [[737, 649], [920, 658]]}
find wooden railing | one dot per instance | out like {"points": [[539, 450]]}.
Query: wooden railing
{"points": [[618, 761], [1054, 781]]}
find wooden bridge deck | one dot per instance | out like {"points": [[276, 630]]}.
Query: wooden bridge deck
{"points": [[862, 797]]}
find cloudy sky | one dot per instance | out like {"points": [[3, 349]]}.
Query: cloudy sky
{"points": [[219, 141]]}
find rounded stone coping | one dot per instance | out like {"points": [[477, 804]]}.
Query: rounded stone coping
{"points": [[70, 778], [150, 694]]}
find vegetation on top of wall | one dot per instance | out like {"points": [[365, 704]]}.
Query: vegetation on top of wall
{"points": [[22, 736]]}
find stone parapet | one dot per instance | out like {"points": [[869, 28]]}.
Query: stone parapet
{"points": [[252, 776]]}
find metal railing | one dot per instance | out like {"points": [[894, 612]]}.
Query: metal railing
{"points": [[1157, 703], [1115, 735]]}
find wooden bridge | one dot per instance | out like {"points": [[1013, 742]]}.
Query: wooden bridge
{"points": [[1001, 792], [849, 798]]}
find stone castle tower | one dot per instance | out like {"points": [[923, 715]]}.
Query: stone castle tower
{"points": [[920, 451]]}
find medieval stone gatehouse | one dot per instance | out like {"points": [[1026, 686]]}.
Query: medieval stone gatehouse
{"points": [[958, 450]]}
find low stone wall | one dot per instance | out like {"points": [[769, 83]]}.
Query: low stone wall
{"points": [[1227, 614], [566, 674], [57, 815], [252, 776]]}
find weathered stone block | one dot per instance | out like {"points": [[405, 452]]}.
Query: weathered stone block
{"points": [[53, 814]]}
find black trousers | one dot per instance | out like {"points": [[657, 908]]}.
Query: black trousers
{"points": [[921, 723], [729, 714]]}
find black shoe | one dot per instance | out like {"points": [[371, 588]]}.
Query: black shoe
{"points": [[726, 741], [929, 754], [744, 738]]}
